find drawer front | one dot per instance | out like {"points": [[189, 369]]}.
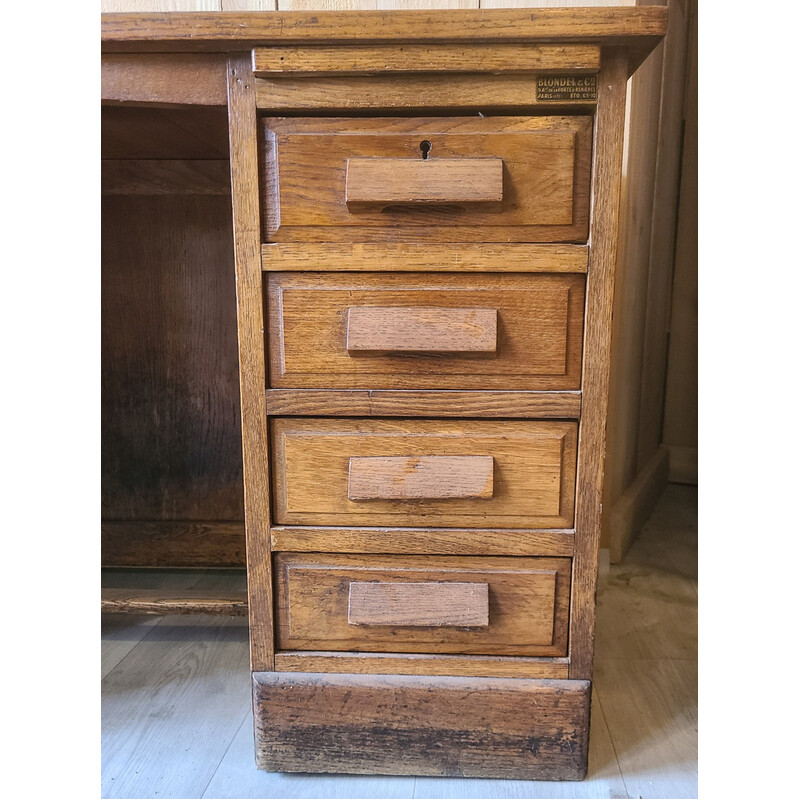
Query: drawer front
{"points": [[425, 331], [491, 179], [423, 473], [422, 604]]}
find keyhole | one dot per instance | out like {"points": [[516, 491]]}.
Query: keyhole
{"points": [[425, 148]]}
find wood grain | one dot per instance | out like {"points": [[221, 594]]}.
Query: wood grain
{"points": [[640, 26], [411, 257], [545, 177], [414, 725], [539, 327], [437, 604], [527, 613], [168, 80], [607, 171], [533, 471], [172, 706], [380, 330], [189, 132], [420, 664], [662, 242], [388, 403], [364, 59], [250, 316], [162, 176], [165, 543], [374, 184], [411, 93], [187, 601], [568, 221], [680, 404], [170, 421], [628, 357], [633, 507], [444, 541], [420, 478]]}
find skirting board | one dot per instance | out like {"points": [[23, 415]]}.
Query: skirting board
{"points": [[682, 464], [633, 507], [526, 729]]}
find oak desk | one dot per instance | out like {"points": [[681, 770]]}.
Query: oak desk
{"points": [[425, 213]]}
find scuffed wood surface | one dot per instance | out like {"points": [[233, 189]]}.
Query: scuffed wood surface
{"points": [[411, 257], [642, 26], [187, 601], [250, 319], [413, 725], [170, 421], [421, 664], [377, 183], [420, 478], [437, 604], [375, 330], [426, 403], [441, 541]]}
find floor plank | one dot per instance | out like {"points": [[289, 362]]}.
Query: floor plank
{"points": [[120, 633], [672, 528], [646, 606], [172, 706], [651, 710]]}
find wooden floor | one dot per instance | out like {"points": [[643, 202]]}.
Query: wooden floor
{"points": [[176, 718]]}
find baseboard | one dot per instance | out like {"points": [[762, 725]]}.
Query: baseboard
{"points": [[525, 729], [635, 504], [682, 464]]}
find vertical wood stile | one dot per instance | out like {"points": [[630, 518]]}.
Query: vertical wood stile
{"points": [[607, 173], [242, 131]]}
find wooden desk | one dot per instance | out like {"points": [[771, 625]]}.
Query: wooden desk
{"points": [[357, 234]]}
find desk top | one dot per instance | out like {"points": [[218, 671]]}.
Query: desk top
{"points": [[638, 27]]}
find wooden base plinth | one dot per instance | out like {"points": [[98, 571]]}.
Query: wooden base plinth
{"points": [[529, 729]]}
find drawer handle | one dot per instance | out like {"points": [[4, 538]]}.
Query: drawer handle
{"points": [[420, 477], [430, 605], [376, 183], [378, 331]]}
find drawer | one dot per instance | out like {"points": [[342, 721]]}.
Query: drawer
{"points": [[492, 179], [425, 331], [422, 604], [423, 473]]}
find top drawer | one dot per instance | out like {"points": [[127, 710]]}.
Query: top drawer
{"points": [[492, 179]]}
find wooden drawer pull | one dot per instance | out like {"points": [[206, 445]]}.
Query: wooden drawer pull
{"points": [[434, 605], [420, 478], [376, 183], [377, 331]]}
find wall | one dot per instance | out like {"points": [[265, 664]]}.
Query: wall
{"points": [[637, 463], [680, 418], [650, 331]]}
